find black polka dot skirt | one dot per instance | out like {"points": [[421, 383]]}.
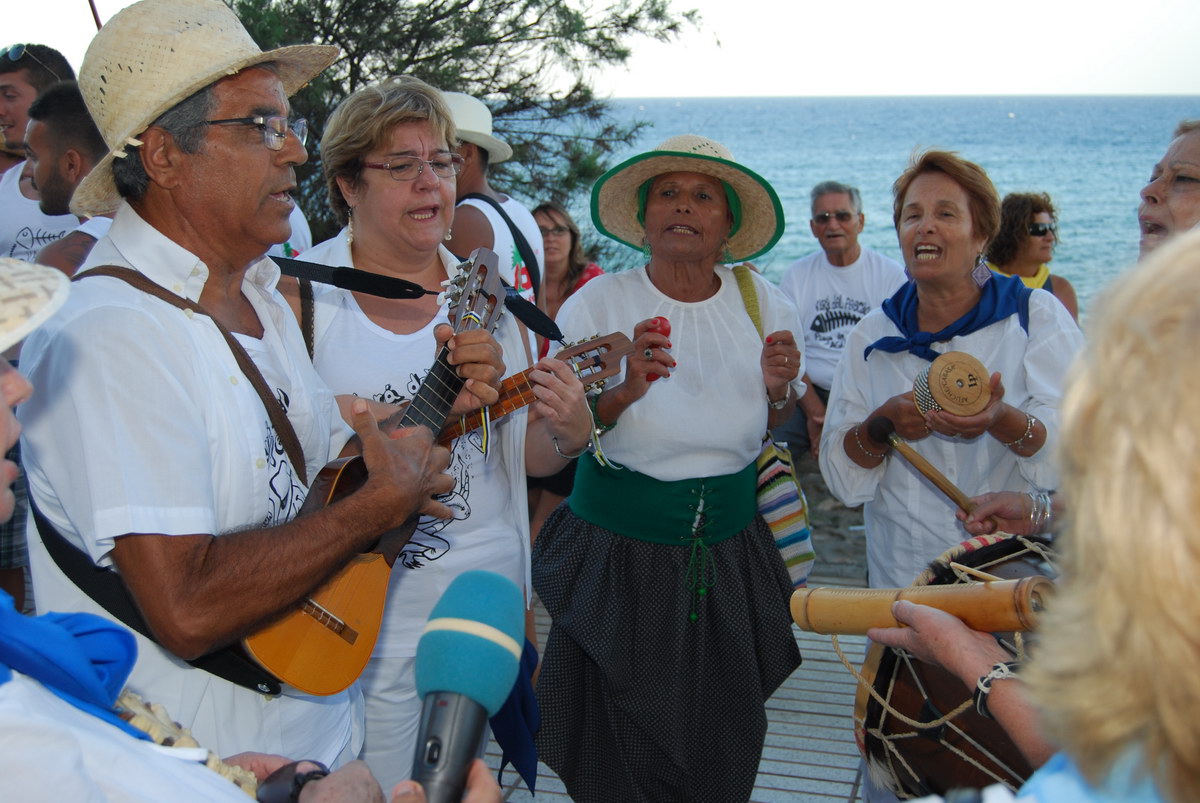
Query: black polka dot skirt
{"points": [[651, 691]]}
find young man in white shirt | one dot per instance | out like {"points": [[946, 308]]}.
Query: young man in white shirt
{"points": [[25, 72]]}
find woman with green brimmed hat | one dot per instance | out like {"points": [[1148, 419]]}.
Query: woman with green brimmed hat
{"points": [[669, 597]]}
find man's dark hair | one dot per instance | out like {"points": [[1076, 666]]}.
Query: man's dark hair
{"points": [[484, 157], [183, 122], [62, 110], [44, 66]]}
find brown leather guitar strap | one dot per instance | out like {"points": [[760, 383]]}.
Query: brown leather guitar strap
{"points": [[276, 413]]}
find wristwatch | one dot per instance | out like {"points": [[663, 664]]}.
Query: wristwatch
{"points": [[779, 405]]}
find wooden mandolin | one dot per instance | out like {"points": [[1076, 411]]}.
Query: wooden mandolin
{"points": [[323, 645]]}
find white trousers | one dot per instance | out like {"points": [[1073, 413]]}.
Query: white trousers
{"points": [[393, 714]]}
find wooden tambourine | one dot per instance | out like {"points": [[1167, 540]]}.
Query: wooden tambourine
{"points": [[955, 382]]}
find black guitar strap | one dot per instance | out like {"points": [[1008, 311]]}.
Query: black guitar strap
{"points": [[531, 264], [109, 591]]}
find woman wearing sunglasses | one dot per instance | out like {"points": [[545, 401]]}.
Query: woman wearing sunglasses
{"points": [[1025, 245]]}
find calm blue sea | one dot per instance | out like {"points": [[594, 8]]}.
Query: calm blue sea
{"points": [[1092, 154]]}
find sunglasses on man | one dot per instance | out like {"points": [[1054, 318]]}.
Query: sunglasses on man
{"points": [[821, 218], [15, 53]]}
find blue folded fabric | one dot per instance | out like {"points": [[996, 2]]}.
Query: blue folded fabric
{"points": [[1000, 297], [515, 724], [82, 658]]}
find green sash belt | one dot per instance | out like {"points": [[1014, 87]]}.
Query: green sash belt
{"points": [[639, 506]]}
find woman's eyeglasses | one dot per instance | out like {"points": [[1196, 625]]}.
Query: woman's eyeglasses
{"points": [[557, 231], [17, 52], [1042, 229], [407, 168], [842, 216]]}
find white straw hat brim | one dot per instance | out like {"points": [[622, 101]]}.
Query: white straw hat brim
{"points": [[615, 203], [473, 122], [29, 295], [498, 150]]}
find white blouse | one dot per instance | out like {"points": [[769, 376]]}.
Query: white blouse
{"points": [[908, 521]]}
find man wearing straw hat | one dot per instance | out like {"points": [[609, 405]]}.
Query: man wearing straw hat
{"points": [[150, 447]]}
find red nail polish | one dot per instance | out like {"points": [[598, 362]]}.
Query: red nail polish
{"points": [[673, 363], [651, 377], [668, 344]]}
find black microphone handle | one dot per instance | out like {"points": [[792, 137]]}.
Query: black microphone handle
{"points": [[448, 740]]}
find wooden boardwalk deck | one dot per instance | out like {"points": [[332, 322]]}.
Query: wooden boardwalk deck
{"points": [[809, 753]]}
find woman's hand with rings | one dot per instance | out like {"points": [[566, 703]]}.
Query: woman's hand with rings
{"points": [[649, 360], [780, 362], [903, 412], [969, 426]]}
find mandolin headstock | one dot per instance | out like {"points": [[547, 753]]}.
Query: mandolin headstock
{"points": [[597, 359], [475, 294]]}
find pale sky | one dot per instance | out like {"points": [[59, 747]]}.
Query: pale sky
{"points": [[773, 48]]}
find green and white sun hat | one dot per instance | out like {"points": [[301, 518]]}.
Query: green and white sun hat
{"points": [[618, 198]]}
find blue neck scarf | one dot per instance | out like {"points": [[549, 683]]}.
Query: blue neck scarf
{"points": [[82, 658], [1001, 297]]}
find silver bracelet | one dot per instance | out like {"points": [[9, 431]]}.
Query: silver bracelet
{"points": [[1041, 512], [779, 405], [864, 449], [1029, 422], [554, 440]]}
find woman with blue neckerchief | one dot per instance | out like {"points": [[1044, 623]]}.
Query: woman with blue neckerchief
{"points": [[946, 210]]}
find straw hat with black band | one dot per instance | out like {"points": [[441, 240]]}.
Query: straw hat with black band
{"points": [[619, 196], [156, 53]]}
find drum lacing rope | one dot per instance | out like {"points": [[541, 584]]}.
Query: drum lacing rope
{"points": [[887, 740], [1043, 552], [887, 706]]}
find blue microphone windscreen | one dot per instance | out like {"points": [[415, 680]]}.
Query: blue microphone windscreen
{"points": [[472, 643]]}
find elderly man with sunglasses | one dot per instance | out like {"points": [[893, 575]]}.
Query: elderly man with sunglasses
{"points": [[179, 420], [833, 289]]}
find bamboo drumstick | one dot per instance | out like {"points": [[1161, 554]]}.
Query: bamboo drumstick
{"points": [[881, 429], [1002, 606]]}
